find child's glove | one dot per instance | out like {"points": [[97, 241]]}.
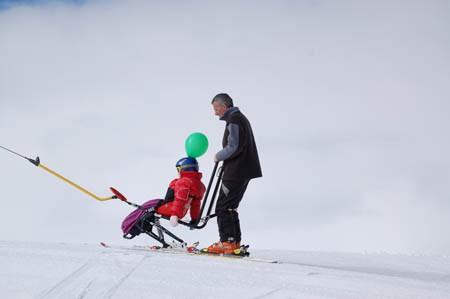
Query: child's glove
{"points": [[174, 220]]}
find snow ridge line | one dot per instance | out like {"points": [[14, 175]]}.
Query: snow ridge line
{"points": [[420, 276]]}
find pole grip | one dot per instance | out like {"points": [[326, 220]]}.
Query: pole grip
{"points": [[118, 194]]}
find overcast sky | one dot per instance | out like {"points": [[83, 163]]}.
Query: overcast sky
{"points": [[349, 102]]}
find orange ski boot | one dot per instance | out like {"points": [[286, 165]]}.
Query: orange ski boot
{"points": [[221, 248]]}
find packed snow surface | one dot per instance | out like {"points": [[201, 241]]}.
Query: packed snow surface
{"points": [[46, 270]]}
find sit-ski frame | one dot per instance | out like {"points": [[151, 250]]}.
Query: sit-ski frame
{"points": [[153, 219]]}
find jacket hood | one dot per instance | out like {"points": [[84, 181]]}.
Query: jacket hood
{"points": [[191, 174]]}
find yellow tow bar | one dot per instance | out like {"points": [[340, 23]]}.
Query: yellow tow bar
{"points": [[37, 162], [73, 184]]}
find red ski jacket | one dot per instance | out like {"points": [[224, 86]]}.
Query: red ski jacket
{"points": [[188, 193]]}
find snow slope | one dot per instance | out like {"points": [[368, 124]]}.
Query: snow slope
{"points": [[46, 270]]}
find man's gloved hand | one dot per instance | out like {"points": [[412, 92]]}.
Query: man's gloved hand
{"points": [[174, 220]]}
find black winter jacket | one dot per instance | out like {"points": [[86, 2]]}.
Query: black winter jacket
{"points": [[239, 153]]}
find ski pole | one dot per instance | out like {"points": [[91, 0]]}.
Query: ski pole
{"points": [[207, 191], [37, 162]]}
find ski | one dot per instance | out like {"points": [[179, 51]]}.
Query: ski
{"points": [[188, 250], [124, 247], [240, 253]]}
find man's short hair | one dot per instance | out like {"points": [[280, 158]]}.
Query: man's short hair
{"points": [[223, 98]]}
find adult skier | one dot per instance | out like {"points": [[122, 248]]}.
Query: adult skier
{"points": [[240, 165]]}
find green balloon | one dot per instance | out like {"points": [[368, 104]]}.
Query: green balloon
{"points": [[196, 145]]}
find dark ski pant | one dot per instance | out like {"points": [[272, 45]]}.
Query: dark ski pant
{"points": [[230, 195]]}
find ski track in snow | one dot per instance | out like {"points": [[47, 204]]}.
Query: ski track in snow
{"points": [[34, 270], [99, 277]]}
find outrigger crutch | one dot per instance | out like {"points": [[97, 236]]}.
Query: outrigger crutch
{"points": [[37, 162]]}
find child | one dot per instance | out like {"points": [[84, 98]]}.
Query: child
{"points": [[184, 193]]}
